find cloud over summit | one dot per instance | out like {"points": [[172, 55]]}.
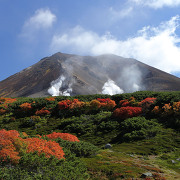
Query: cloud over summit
{"points": [[156, 46]]}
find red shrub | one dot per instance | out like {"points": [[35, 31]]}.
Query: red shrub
{"points": [[176, 108], [167, 109], [7, 100], [26, 106], [64, 104], [127, 112], [50, 99], [42, 112], [124, 103], [11, 144], [49, 148], [104, 100], [107, 103], [147, 102], [76, 104], [64, 136], [8, 145], [156, 110]]}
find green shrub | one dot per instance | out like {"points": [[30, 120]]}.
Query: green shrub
{"points": [[31, 166], [80, 149], [137, 128]]}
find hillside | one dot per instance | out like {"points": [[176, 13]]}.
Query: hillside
{"points": [[67, 74], [67, 137]]}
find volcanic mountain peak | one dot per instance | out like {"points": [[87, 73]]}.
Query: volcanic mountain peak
{"points": [[67, 74]]}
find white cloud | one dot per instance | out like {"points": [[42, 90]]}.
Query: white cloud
{"points": [[156, 46], [157, 3], [43, 18], [115, 15]]}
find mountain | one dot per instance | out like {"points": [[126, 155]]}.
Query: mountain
{"points": [[68, 74]]}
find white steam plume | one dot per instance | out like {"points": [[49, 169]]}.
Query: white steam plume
{"points": [[111, 88], [131, 79], [60, 87]]}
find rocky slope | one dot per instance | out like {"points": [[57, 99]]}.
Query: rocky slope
{"points": [[67, 74]]}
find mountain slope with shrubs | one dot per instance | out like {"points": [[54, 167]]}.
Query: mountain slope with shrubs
{"points": [[65, 137]]}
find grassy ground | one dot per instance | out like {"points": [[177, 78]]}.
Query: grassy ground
{"points": [[113, 164]]}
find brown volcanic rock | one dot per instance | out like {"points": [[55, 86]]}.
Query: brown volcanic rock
{"points": [[87, 75]]}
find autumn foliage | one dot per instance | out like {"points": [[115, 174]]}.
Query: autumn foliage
{"points": [[8, 145], [64, 104], [128, 102], [4, 103], [42, 112], [2, 111], [146, 103], [107, 103], [26, 106], [167, 109], [50, 99], [49, 148], [70, 104], [12, 145], [176, 108], [64, 136], [7, 100], [127, 112]]}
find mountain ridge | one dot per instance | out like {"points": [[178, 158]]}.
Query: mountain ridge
{"points": [[86, 75]]}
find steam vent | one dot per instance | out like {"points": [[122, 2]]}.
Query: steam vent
{"points": [[67, 74]]}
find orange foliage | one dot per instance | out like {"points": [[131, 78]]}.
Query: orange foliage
{"points": [[43, 112], [167, 109], [24, 135], [50, 99], [64, 104], [7, 100], [64, 136], [8, 145], [4, 102], [176, 108], [124, 103], [11, 144], [127, 112], [76, 104], [146, 103], [128, 102], [107, 103], [2, 111], [49, 148], [26, 106], [70, 104], [156, 110], [95, 104]]}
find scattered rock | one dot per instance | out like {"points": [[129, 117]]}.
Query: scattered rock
{"points": [[173, 161], [131, 155], [108, 146], [178, 159], [147, 174]]}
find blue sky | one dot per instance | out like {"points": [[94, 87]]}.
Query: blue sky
{"points": [[147, 30]]}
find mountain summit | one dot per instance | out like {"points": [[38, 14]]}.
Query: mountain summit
{"points": [[67, 74]]}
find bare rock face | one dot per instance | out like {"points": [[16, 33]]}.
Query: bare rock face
{"points": [[79, 75]]}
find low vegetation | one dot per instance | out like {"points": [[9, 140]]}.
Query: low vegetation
{"points": [[65, 137]]}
